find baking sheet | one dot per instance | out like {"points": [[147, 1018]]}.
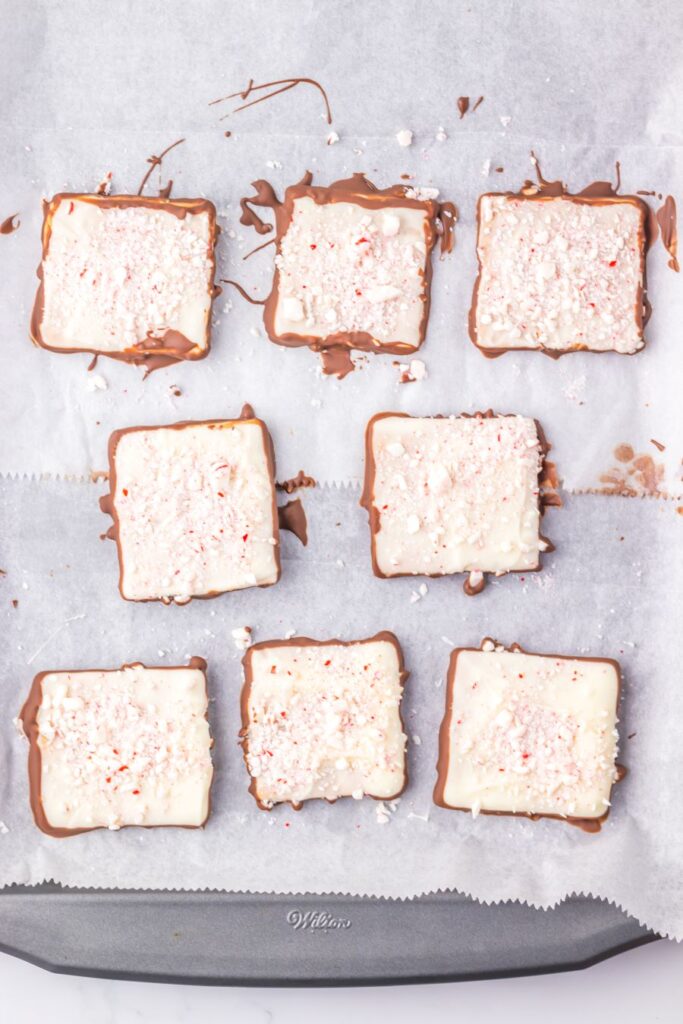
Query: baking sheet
{"points": [[70, 613], [84, 96], [52, 139]]}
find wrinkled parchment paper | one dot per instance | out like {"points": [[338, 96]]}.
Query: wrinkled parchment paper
{"points": [[91, 88]]}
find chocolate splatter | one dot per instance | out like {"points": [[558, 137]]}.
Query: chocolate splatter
{"points": [[638, 475], [337, 361], [243, 293], [295, 482], [93, 362], [285, 83], [264, 245], [668, 228], [104, 186], [8, 225], [658, 445], [247, 412], [464, 105], [265, 196], [156, 161], [98, 474], [623, 453], [227, 134], [292, 517]]}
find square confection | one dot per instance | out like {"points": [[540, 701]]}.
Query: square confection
{"points": [[353, 267], [560, 274], [126, 276], [194, 509], [322, 720], [124, 747], [453, 494], [529, 734]]}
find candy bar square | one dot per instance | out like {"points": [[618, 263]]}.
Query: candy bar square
{"points": [[194, 509], [453, 494], [321, 719], [529, 734], [126, 276], [560, 274], [110, 748], [353, 267]]}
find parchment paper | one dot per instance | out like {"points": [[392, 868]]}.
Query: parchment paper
{"points": [[86, 96], [595, 597], [93, 87]]}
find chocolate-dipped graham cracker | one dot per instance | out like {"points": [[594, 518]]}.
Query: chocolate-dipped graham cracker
{"points": [[321, 719], [560, 272], [529, 734], [352, 265], [129, 277], [454, 494], [111, 748], [194, 509]]}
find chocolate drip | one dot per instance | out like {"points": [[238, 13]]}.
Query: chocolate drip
{"points": [[156, 161], [175, 347], [8, 225], [336, 361], [265, 196], [666, 220], [243, 293], [463, 105], [473, 591], [295, 482], [264, 245], [446, 217], [292, 517], [165, 192], [285, 83], [93, 362], [247, 412]]}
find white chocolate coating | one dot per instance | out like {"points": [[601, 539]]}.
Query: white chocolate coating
{"points": [[348, 268], [195, 512], [531, 733], [126, 747], [559, 274], [324, 722], [115, 275], [457, 494]]}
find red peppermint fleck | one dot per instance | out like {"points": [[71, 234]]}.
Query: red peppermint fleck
{"points": [[363, 239], [328, 662], [313, 245], [612, 263], [71, 207], [125, 492], [244, 537], [135, 792]]}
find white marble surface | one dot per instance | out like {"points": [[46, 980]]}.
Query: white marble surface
{"points": [[645, 984]]}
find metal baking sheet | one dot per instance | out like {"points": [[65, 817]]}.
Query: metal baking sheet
{"points": [[218, 938]]}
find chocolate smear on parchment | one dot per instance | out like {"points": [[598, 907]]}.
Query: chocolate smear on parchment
{"points": [[637, 475], [292, 517], [668, 229], [464, 105], [285, 85], [336, 361], [10, 224], [295, 482]]}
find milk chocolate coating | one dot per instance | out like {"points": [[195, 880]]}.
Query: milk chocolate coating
{"points": [[304, 641], [547, 477], [592, 825], [150, 352], [597, 193], [28, 716], [358, 190], [107, 504]]}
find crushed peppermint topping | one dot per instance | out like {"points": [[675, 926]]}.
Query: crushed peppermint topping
{"points": [[559, 274], [457, 494], [324, 722], [127, 747], [195, 510], [532, 733], [344, 268], [114, 275]]}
